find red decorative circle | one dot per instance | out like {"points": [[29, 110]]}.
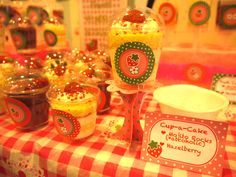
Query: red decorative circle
{"points": [[102, 100], [18, 111], [194, 72], [3, 17], [168, 12], [33, 16], [142, 63], [50, 38], [199, 13], [229, 16], [18, 40], [65, 124]]}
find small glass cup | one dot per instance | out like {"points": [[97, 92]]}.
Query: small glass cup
{"points": [[26, 100], [73, 108]]}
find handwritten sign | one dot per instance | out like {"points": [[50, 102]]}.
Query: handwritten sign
{"points": [[97, 19], [226, 85], [183, 142]]}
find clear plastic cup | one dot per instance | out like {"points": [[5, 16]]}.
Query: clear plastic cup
{"points": [[97, 74], [2, 104], [23, 35], [6, 70], [135, 42], [73, 108]]}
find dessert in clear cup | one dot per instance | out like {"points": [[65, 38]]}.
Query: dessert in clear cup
{"points": [[102, 56], [74, 108], [6, 67], [135, 42], [54, 34], [6, 70], [37, 14], [7, 13], [23, 35], [97, 74], [57, 70], [26, 99]]}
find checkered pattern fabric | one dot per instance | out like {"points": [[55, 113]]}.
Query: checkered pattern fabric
{"points": [[42, 153]]}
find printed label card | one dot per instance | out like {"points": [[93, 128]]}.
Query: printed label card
{"points": [[187, 143], [225, 84]]}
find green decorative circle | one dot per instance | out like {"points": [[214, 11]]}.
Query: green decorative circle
{"points": [[51, 33], [208, 13], [22, 36], [221, 22], [7, 16], [139, 46], [37, 11]]}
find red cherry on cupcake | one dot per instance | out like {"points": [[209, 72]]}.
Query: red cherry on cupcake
{"points": [[37, 83], [73, 87], [89, 72], [87, 59], [59, 70], [60, 67], [134, 16]]}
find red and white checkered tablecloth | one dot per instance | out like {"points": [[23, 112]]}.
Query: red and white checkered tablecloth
{"points": [[42, 153]]}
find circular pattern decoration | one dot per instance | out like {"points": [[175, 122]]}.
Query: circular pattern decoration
{"points": [[134, 62], [65, 124], [199, 13], [4, 16], [168, 12], [19, 40], [194, 72], [50, 37], [228, 17], [35, 16], [102, 100], [18, 111]]}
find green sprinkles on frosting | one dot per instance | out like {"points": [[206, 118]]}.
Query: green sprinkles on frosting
{"points": [[140, 46]]}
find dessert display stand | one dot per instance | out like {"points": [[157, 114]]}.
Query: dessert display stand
{"points": [[131, 130]]}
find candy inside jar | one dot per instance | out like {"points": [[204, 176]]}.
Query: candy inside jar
{"points": [[26, 99]]}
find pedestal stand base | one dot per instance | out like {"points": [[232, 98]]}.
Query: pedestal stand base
{"points": [[131, 131]]}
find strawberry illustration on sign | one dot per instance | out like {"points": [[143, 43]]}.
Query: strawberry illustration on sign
{"points": [[154, 149], [132, 60]]}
